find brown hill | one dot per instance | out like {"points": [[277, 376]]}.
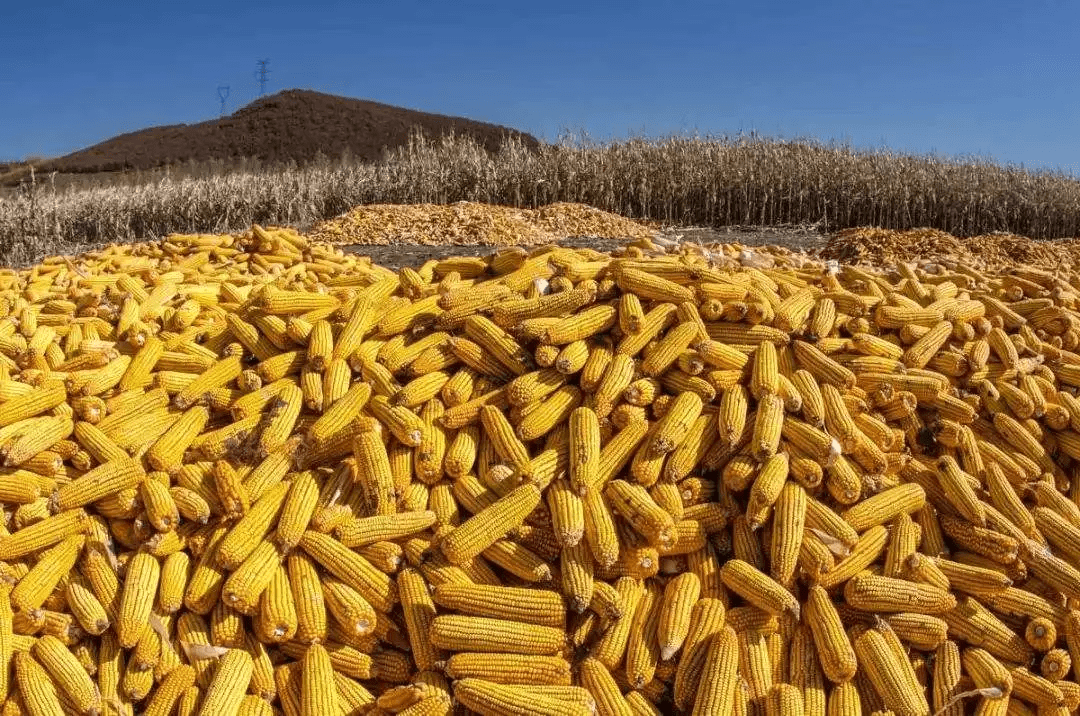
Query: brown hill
{"points": [[290, 125]]}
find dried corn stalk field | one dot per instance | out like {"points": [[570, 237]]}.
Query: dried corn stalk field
{"points": [[675, 181], [257, 474]]}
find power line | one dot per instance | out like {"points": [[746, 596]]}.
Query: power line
{"points": [[263, 75]]}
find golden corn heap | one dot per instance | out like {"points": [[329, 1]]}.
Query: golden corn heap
{"points": [[878, 246], [468, 222], [256, 475]]}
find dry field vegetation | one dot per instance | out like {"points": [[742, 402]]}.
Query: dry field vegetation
{"points": [[676, 181]]}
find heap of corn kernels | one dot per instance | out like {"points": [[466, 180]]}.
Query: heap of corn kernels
{"points": [[469, 222], [257, 475], [875, 246]]}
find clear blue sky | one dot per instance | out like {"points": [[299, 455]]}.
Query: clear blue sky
{"points": [[991, 78]]}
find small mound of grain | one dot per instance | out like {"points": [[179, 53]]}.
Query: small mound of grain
{"points": [[869, 245], [467, 222], [886, 246]]}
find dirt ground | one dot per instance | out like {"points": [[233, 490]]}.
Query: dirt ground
{"points": [[794, 238]]}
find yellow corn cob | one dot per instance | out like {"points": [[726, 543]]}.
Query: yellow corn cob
{"points": [[229, 490], [489, 697], [516, 604], [972, 579], [335, 383], [631, 314], [463, 450], [307, 598], [972, 622], [706, 621], [656, 321], [603, 688], [245, 535], [277, 619], [610, 648], [506, 443], [765, 376], [480, 531], [716, 694], [190, 504], [174, 577], [567, 508], [642, 649], [757, 588], [885, 594], [731, 417], [161, 509], [339, 415], [766, 489], [699, 439], [600, 355], [866, 550], [363, 531], [890, 674], [555, 409], [479, 359], [577, 576], [71, 680], [532, 387], [768, 424], [956, 485], [668, 349], [39, 695], [421, 389], [40, 535], [137, 598], [464, 633], [788, 525], [318, 692], [46, 432], [36, 585], [419, 612], [108, 479], [85, 605], [217, 375], [1055, 666], [672, 429], [652, 287], [230, 681], [680, 595], [373, 472], [919, 353], [283, 415], [351, 568], [580, 326], [635, 504], [498, 343], [884, 506], [168, 695], [833, 646]]}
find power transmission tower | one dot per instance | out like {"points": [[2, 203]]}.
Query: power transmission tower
{"points": [[223, 94], [263, 75]]}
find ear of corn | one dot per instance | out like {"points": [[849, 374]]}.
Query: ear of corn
{"points": [[229, 683]]}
